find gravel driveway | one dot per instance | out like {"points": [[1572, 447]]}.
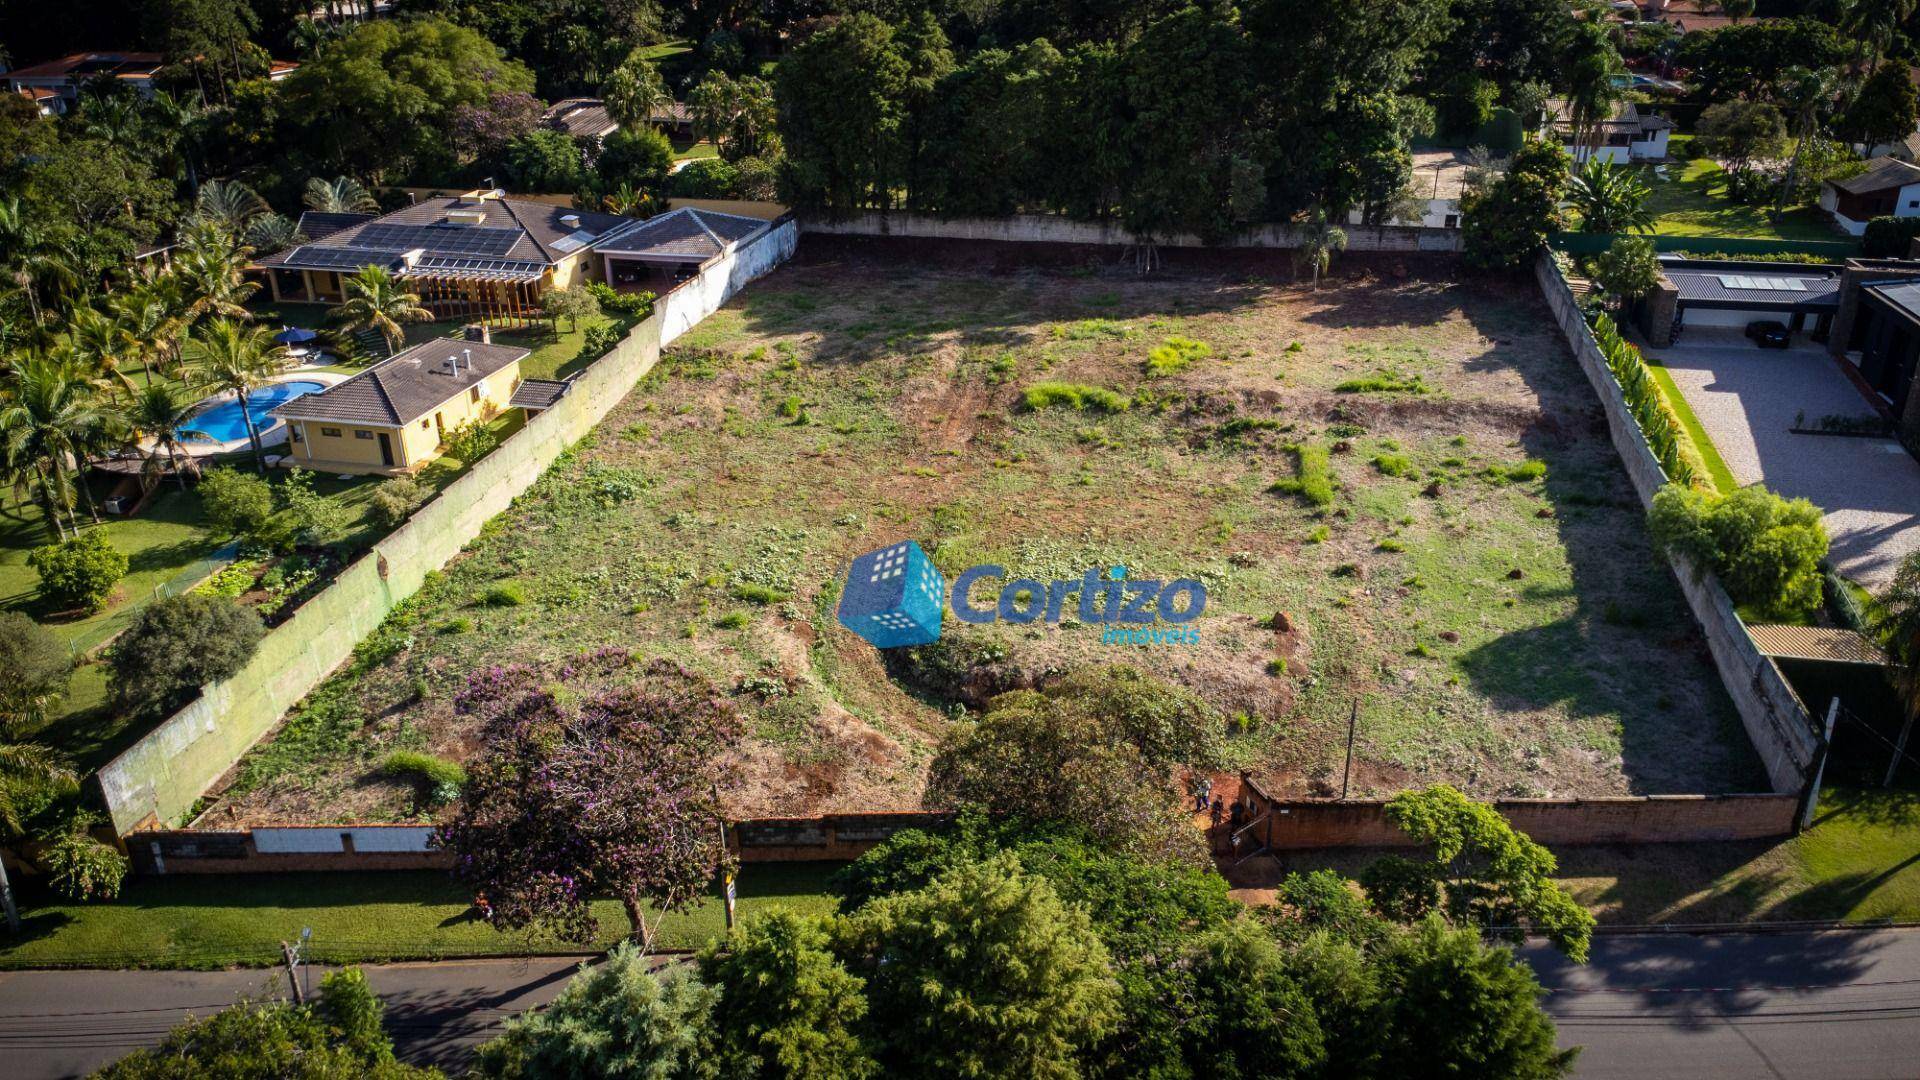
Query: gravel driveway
{"points": [[1748, 397]]}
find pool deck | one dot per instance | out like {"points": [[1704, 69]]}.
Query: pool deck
{"points": [[270, 436]]}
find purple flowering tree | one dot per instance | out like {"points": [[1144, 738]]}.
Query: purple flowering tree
{"points": [[607, 790], [481, 131]]}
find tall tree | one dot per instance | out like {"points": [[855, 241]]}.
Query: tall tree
{"points": [[1804, 92], [375, 300], [841, 114], [1590, 64], [1506, 222], [340, 195], [634, 91], [609, 791], [51, 411], [238, 359], [158, 416]]}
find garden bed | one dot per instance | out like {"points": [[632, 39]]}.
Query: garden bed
{"points": [[1411, 474]]}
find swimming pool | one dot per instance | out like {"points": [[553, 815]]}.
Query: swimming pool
{"points": [[223, 422]]}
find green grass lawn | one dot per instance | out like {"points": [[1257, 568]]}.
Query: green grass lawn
{"points": [[209, 921], [1717, 469], [1693, 202], [695, 150]]}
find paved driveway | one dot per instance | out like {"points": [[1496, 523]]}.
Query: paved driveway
{"points": [[1748, 397]]}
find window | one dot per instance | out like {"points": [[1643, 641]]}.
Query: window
{"points": [[424, 424], [1453, 221], [1913, 204], [362, 433], [473, 395], [330, 432], [293, 432]]}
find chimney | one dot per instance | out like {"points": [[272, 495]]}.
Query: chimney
{"points": [[477, 332], [466, 355], [571, 221]]}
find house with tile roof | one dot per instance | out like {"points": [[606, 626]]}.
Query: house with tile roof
{"points": [[54, 85], [479, 256], [671, 247], [1630, 134], [1889, 187], [588, 118], [395, 416]]}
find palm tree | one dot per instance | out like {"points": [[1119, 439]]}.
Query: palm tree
{"points": [[1898, 628], [230, 356], [32, 262], [1610, 198], [50, 413], [1805, 92], [1319, 239], [1873, 23], [229, 204], [628, 201], [157, 413], [151, 308], [341, 195], [376, 301], [209, 268], [1589, 68], [269, 233], [101, 343]]}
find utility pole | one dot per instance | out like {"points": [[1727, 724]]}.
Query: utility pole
{"points": [[291, 952], [1346, 774], [1820, 771], [1899, 749]]}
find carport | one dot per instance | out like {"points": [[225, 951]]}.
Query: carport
{"points": [[1721, 294]]}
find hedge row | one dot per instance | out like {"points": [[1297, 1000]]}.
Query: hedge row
{"points": [[1663, 431]]}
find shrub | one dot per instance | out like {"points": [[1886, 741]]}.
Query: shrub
{"points": [[472, 441], [573, 303], [239, 503], [1657, 421], [82, 868], [435, 772], [1765, 549], [37, 668], [1387, 383], [1176, 354], [78, 573], [395, 500], [709, 178], [311, 518], [733, 620], [1393, 464], [178, 644], [505, 594], [759, 594], [635, 304], [1079, 396], [1315, 480], [1889, 236]]}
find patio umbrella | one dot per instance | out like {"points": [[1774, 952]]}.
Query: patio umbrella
{"points": [[295, 335]]}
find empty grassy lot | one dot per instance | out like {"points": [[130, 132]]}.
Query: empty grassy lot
{"points": [[1452, 543]]}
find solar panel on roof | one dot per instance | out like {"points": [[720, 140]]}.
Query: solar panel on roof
{"points": [[1762, 284], [476, 240], [314, 257]]}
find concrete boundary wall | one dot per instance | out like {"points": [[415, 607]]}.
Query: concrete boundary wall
{"points": [[1306, 824], [276, 849], [158, 779], [1777, 722], [1054, 229]]}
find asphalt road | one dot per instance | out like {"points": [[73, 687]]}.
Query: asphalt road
{"points": [[1831, 1006], [69, 1023]]}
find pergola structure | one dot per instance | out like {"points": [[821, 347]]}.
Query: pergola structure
{"points": [[503, 293]]}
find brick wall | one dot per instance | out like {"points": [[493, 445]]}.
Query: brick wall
{"points": [[1304, 824], [1054, 229]]}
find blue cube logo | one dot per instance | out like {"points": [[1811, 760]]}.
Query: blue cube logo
{"points": [[894, 597]]}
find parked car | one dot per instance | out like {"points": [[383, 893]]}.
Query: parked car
{"points": [[1769, 334]]}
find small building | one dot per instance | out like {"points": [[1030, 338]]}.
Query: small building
{"points": [[1889, 187], [55, 85], [1439, 176], [582, 118], [587, 118], [479, 256], [660, 251], [1729, 294], [395, 416], [1630, 134]]}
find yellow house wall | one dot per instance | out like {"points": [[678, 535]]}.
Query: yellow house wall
{"points": [[344, 448], [568, 272], [417, 442]]}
